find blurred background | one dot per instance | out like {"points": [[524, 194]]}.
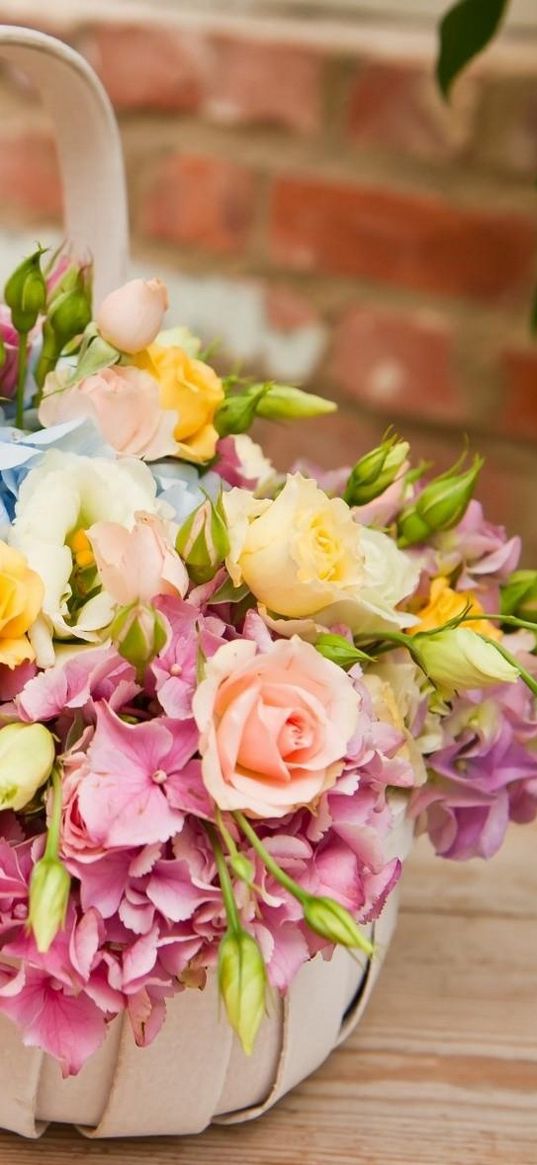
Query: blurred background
{"points": [[316, 207]]}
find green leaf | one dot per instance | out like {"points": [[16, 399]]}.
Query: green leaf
{"points": [[464, 32]]}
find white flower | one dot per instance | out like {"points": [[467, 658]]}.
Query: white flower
{"points": [[58, 502], [255, 466], [303, 556]]}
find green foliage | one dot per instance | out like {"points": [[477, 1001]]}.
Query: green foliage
{"points": [[465, 31]]}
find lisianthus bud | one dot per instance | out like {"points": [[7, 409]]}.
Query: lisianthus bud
{"points": [[26, 760], [282, 402], [338, 650], [374, 472], [439, 506], [328, 918], [65, 268], [130, 318], [68, 317], [237, 413], [242, 979], [519, 595], [139, 633], [203, 541], [25, 293], [49, 897], [458, 659], [70, 314]]}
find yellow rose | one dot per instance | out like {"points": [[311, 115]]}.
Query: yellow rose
{"points": [[445, 604], [21, 598], [190, 388]]}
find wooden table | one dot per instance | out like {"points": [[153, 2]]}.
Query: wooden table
{"points": [[442, 1071]]}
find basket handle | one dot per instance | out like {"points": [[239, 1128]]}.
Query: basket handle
{"points": [[89, 148]]}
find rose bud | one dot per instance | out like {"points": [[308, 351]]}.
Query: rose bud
{"points": [[130, 318], [26, 760], [26, 293]]}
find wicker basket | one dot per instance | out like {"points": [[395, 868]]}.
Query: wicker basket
{"points": [[327, 998]]}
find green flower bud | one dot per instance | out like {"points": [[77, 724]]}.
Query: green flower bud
{"points": [[439, 506], [374, 472], [519, 595], [26, 760], [49, 897], [459, 659], [3, 353], [242, 980], [203, 541], [70, 314], [25, 293], [282, 403], [139, 633], [338, 650], [237, 413], [328, 918]]}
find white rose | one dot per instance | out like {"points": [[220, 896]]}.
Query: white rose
{"points": [[303, 555], [58, 502]]}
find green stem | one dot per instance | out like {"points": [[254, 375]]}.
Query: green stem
{"points": [[226, 886], [53, 836], [22, 357], [268, 860], [512, 659], [509, 620]]}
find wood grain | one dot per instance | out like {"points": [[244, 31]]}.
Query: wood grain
{"points": [[443, 1069]]}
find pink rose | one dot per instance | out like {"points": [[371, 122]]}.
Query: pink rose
{"points": [[123, 402], [138, 563], [274, 726], [130, 318]]}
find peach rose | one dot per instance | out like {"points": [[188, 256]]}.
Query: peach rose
{"points": [[138, 563], [274, 726], [130, 318], [123, 402]]}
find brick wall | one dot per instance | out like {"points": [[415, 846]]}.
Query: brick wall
{"points": [[323, 213]]}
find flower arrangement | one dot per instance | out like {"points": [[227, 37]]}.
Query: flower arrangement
{"points": [[216, 680]]}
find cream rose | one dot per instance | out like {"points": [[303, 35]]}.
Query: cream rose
{"points": [[304, 556], [274, 726]]}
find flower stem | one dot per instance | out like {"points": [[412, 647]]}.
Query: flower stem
{"points": [[53, 835], [268, 860], [226, 886], [22, 358], [512, 659]]}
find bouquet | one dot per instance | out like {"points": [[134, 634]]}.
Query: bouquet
{"points": [[216, 680]]}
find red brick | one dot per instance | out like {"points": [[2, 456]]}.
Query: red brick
{"points": [[144, 67], [398, 106], [259, 81], [287, 309], [507, 140], [29, 175], [331, 441], [398, 364], [518, 415], [407, 240], [206, 201]]}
